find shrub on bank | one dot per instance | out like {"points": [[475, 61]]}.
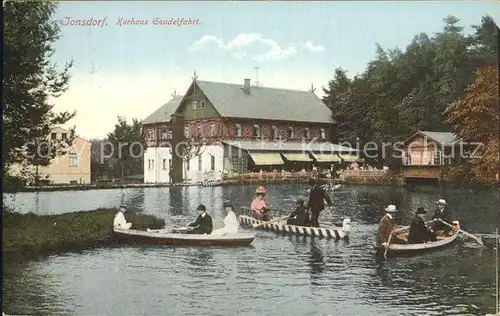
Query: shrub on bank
{"points": [[31, 234]]}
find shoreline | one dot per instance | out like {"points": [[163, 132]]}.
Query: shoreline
{"points": [[30, 236], [389, 181]]}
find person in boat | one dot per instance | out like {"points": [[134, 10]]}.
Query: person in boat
{"points": [[259, 205], [386, 227], [299, 217], [441, 213], [119, 221], [230, 222], [419, 233], [203, 224], [316, 203]]}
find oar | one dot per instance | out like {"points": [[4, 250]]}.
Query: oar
{"points": [[271, 221], [388, 243], [478, 239]]}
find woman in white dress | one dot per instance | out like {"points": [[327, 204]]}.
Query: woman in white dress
{"points": [[230, 222]]}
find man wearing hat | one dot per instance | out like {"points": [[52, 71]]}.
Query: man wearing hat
{"points": [[316, 202], [230, 222], [442, 213], [419, 233], [203, 224], [299, 217], [386, 227]]}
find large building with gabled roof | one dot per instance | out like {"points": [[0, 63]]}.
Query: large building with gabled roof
{"points": [[243, 128]]}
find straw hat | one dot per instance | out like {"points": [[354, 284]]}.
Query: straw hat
{"points": [[391, 208], [260, 190], [442, 202]]}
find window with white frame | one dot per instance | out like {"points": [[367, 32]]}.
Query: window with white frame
{"points": [[195, 104], [408, 159], [73, 160], [274, 130], [438, 159], [256, 131], [187, 132], [152, 164], [151, 134], [322, 133], [238, 130], [199, 130], [164, 133], [290, 133], [307, 134], [202, 103], [200, 163], [187, 164], [212, 129], [212, 163], [164, 164]]}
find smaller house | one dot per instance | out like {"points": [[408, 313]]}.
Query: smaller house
{"points": [[425, 153]]}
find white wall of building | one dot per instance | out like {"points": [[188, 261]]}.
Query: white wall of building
{"points": [[157, 165], [157, 162]]}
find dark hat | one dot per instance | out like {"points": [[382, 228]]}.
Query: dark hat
{"points": [[227, 203], [312, 181], [300, 201], [201, 207], [421, 210]]}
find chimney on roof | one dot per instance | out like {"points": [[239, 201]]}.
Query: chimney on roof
{"points": [[246, 86]]}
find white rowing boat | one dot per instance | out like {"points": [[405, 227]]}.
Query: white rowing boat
{"points": [[329, 231], [442, 241]]}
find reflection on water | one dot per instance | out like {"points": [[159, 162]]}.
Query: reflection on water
{"points": [[277, 275]]}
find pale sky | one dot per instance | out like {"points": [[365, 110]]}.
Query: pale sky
{"points": [[132, 70]]}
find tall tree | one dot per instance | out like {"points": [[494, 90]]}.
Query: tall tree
{"points": [[30, 80], [126, 145], [475, 118]]}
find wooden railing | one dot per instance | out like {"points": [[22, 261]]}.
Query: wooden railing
{"points": [[364, 173]]}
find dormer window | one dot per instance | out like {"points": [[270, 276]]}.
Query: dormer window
{"points": [[238, 130], [290, 133], [307, 134], [275, 132], [195, 104], [256, 131]]}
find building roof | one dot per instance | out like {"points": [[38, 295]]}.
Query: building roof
{"points": [[266, 103], [162, 115], [444, 138], [320, 147]]}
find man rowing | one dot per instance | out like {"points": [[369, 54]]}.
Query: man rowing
{"points": [[316, 203], [203, 224], [441, 213], [419, 233], [387, 228]]}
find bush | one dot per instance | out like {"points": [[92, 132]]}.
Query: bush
{"points": [[31, 234]]}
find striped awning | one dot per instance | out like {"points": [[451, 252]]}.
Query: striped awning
{"points": [[326, 157], [266, 159], [297, 157], [350, 158]]}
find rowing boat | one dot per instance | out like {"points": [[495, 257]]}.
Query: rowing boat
{"points": [[328, 231], [166, 237], [398, 249]]}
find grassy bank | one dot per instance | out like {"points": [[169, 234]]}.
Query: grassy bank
{"points": [[30, 235]]}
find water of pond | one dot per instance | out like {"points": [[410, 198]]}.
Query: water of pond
{"points": [[277, 275]]}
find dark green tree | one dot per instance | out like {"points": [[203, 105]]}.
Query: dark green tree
{"points": [[126, 145], [30, 80]]}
